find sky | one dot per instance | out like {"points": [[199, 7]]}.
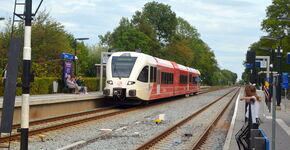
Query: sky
{"points": [[229, 27]]}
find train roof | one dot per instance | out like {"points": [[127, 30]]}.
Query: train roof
{"points": [[159, 60]]}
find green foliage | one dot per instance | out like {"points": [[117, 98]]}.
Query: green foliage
{"points": [[279, 8], [157, 31], [185, 29], [274, 27], [49, 40], [162, 18], [44, 85]]}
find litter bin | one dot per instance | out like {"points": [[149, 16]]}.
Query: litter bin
{"points": [[55, 86]]}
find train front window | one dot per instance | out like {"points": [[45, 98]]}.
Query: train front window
{"points": [[122, 66]]}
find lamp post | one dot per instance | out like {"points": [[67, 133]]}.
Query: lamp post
{"points": [[75, 49], [284, 18]]}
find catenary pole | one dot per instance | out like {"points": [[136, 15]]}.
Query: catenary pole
{"points": [[26, 76], [279, 68]]}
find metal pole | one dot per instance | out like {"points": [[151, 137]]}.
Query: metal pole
{"points": [[101, 73], [279, 69], [26, 76], [285, 99], [274, 113], [271, 75], [75, 48]]}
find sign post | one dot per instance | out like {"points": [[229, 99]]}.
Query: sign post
{"points": [[285, 85], [67, 65]]}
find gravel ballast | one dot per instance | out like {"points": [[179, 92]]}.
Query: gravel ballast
{"points": [[128, 130]]}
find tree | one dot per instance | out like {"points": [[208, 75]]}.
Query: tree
{"points": [[274, 27], [180, 52], [49, 40], [185, 30], [279, 8], [162, 18], [127, 38], [158, 32]]}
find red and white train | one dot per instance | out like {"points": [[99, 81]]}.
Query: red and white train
{"points": [[133, 77]]}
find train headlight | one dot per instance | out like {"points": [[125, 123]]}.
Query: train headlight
{"points": [[130, 83], [110, 82]]}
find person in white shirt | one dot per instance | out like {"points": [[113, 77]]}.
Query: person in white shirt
{"points": [[250, 93]]}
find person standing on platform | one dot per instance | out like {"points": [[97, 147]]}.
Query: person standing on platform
{"points": [[4, 76], [253, 100], [251, 94]]}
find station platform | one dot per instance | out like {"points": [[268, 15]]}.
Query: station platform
{"points": [[50, 105], [282, 123], [56, 98]]}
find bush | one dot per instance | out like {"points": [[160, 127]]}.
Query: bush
{"points": [[44, 85]]}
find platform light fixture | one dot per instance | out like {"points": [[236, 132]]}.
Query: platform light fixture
{"points": [[284, 18], [75, 49], [271, 37]]}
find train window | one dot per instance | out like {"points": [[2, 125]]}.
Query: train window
{"points": [[190, 78], [143, 76], [171, 78], [183, 79], [163, 78], [152, 74], [154, 79], [166, 78], [194, 80]]}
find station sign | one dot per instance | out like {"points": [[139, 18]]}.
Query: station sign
{"points": [[67, 56], [248, 65], [258, 65], [67, 68], [285, 80], [263, 64]]}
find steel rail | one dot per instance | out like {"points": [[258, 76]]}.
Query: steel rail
{"points": [[203, 136], [16, 136], [167, 132], [62, 117]]}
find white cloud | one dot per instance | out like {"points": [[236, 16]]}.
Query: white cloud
{"points": [[227, 26]]}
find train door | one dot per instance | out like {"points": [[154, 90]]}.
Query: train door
{"points": [[153, 85], [158, 80], [187, 81], [144, 85]]}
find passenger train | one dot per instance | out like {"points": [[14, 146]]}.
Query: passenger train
{"points": [[133, 78]]}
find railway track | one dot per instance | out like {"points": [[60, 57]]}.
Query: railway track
{"points": [[166, 138], [93, 115]]}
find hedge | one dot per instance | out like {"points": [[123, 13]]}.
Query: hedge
{"points": [[45, 85]]}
